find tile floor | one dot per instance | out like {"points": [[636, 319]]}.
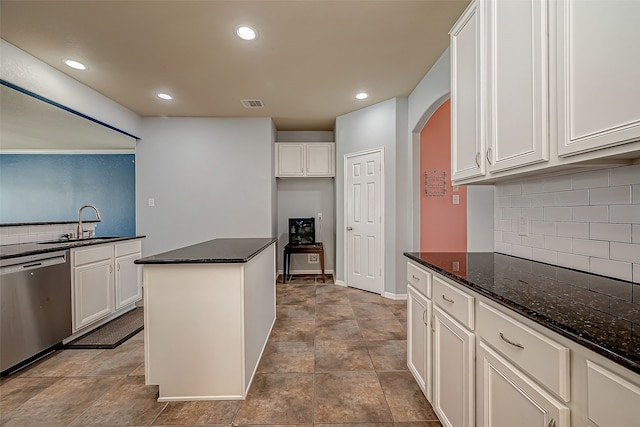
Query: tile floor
{"points": [[335, 356]]}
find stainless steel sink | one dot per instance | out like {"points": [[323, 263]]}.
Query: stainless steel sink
{"points": [[86, 239]]}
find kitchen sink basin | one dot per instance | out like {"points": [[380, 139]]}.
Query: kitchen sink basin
{"points": [[86, 239]]}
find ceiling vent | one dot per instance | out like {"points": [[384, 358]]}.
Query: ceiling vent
{"points": [[252, 103]]}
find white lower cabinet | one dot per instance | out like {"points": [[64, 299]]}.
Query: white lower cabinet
{"points": [[419, 339], [607, 392], [507, 397], [105, 280], [453, 371], [128, 284], [92, 285]]}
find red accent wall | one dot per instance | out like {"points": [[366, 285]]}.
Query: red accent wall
{"points": [[443, 225]]}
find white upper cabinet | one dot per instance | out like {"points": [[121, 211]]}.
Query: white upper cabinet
{"points": [[598, 69], [315, 159], [467, 140], [517, 83]]}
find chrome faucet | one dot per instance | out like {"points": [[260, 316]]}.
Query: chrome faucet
{"points": [[80, 230]]}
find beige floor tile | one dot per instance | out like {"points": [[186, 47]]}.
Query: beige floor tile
{"points": [[211, 412], [342, 356], [382, 329], [132, 403], [16, 391], [296, 312], [278, 399], [60, 403], [349, 397], [293, 330], [405, 398], [339, 330], [287, 356], [372, 311], [332, 298], [326, 312], [120, 361], [388, 355], [61, 363]]}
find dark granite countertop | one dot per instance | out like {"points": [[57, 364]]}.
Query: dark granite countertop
{"points": [[23, 249], [600, 313], [217, 251], [18, 224]]}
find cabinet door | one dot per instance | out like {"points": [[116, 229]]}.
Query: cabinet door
{"points": [[517, 85], [93, 293], [467, 140], [320, 160], [419, 340], [290, 160], [453, 371], [128, 280], [598, 64], [509, 398]]}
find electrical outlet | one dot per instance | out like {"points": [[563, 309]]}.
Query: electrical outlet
{"points": [[456, 199], [152, 201], [319, 216], [312, 258], [523, 226]]}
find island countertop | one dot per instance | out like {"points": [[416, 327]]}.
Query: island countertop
{"points": [[216, 251], [600, 313]]}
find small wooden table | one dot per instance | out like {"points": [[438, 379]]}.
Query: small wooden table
{"points": [[313, 248]]}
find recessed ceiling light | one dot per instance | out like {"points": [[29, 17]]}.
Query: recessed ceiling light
{"points": [[245, 32], [75, 64], [362, 95], [165, 96]]}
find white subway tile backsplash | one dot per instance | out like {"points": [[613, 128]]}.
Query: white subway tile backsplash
{"points": [[624, 214], [557, 214], [624, 175], [529, 187], [503, 248], [588, 221], [558, 244], [521, 201], [607, 267], [591, 179], [610, 232], [510, 237], [9, 240], [578, 262], [544, 255], [534, 214], [546, 228], [610, 195], [625, 252], [591, 214], [521, 251], [571, 198], [533, 240], [596, 248], [543, 199], [556, 183], [573, 229]]}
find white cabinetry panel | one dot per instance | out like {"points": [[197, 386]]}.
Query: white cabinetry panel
{"points": [[598, 64], [419, 346], [308, 159]]}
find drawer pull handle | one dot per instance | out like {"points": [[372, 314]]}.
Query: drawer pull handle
{"points": [[415, 277], [423, 319], [508, 341], [447, 299], [552, 423]]}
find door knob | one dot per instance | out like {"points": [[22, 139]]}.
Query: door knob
{"points": [[349, 228]]}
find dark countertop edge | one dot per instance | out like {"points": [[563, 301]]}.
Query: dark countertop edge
{"points": [[591, 343], [52, 247], [21, 224], [151, 260]]}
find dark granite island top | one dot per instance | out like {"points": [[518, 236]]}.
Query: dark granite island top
{"points": [[600, 313], [217, 251]]}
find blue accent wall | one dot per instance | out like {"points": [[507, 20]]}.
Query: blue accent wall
{"points": [[52, 187]]}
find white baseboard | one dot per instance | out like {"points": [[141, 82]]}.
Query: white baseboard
{"points": [[340, 283], [398, 297], [307, 272]]}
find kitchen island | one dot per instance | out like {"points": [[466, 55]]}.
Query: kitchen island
{"points": [[208, 312]]}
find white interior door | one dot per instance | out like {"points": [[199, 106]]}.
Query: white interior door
{"points": [[363, 234]]}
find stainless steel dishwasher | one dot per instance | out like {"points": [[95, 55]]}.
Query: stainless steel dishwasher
{"points": [[35, 305]]}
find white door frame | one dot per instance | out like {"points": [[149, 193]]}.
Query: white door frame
{"points": [[382, 213]]}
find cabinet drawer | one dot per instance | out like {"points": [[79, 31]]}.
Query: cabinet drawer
{"points": [[93, 254], [607, 394], [454, 301], [419, 279], [128, 248], [540, 357]]}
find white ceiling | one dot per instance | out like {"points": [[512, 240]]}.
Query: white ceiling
{"points": [[310, 58]]}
